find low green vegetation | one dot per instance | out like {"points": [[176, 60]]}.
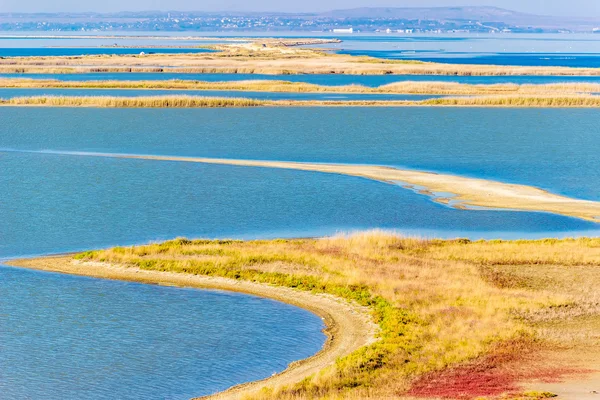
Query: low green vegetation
{"points": [[458, 319]]}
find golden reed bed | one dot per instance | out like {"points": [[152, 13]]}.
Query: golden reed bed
{"points": [[184, 101], [282, 86]]}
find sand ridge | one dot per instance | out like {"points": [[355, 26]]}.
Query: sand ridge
{"points": [[465, 191]]}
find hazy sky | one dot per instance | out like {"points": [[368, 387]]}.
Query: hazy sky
{"points": [[548, 7]]}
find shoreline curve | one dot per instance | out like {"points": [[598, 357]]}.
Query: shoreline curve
{"points": [[348, 326]]}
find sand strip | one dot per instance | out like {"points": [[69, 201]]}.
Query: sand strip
{"points": [[464, 191], [349, 326]]}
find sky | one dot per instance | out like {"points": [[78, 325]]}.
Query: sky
{"points": [[584, 8]]}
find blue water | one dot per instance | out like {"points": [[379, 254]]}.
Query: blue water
{"points": [[513, 59], [60, 197], [76, 51], [149, 40], [555, 149], [334, 80], [9, 93], [495, 49], [57, 203], [65, 337], [573, 50]]}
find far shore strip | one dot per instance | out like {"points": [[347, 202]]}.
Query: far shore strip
{"points": [[467, 191], [349, 326]]}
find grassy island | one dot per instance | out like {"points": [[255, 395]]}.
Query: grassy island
{"points": [[456, 318], [265, 56]]}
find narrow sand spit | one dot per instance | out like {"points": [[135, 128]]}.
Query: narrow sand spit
{"points": [[349, 326], [465, 191]]}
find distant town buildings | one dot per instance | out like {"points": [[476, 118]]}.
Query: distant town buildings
{"points": [[215, 22], [343, 30]]}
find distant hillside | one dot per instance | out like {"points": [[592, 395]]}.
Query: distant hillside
{"points": [[480, 14], [366, 19]]}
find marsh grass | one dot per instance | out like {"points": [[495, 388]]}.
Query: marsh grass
{"points": [[406, 87], [517, 101], [133, 102], [439, 306], [184, 101]]}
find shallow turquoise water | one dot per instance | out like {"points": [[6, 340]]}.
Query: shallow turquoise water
{"points": [[65, 337]]}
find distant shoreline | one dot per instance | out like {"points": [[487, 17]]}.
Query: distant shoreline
{"points": [[270, 56]]}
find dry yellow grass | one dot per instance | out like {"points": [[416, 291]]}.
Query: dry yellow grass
{"points": [[406, 87], [517, 101], [133, 102], [439, 303], [185, 101]]}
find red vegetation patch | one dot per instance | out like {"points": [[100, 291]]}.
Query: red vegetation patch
{"points": [[467, 381], [489, 376]]}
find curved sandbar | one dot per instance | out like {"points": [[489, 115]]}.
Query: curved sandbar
{"points": [[349, 326], [467, 191]]}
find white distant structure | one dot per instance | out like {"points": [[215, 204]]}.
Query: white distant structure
{"points": [[343, 30]]}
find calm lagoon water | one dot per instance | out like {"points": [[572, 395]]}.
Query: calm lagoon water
{"points": [[64, 337], [495, 49], [78, 202], [59, 203], [555, 149], [574, 50], [332, 80], [76, 51], [137, 40], [513, 59], [9, 93]]}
